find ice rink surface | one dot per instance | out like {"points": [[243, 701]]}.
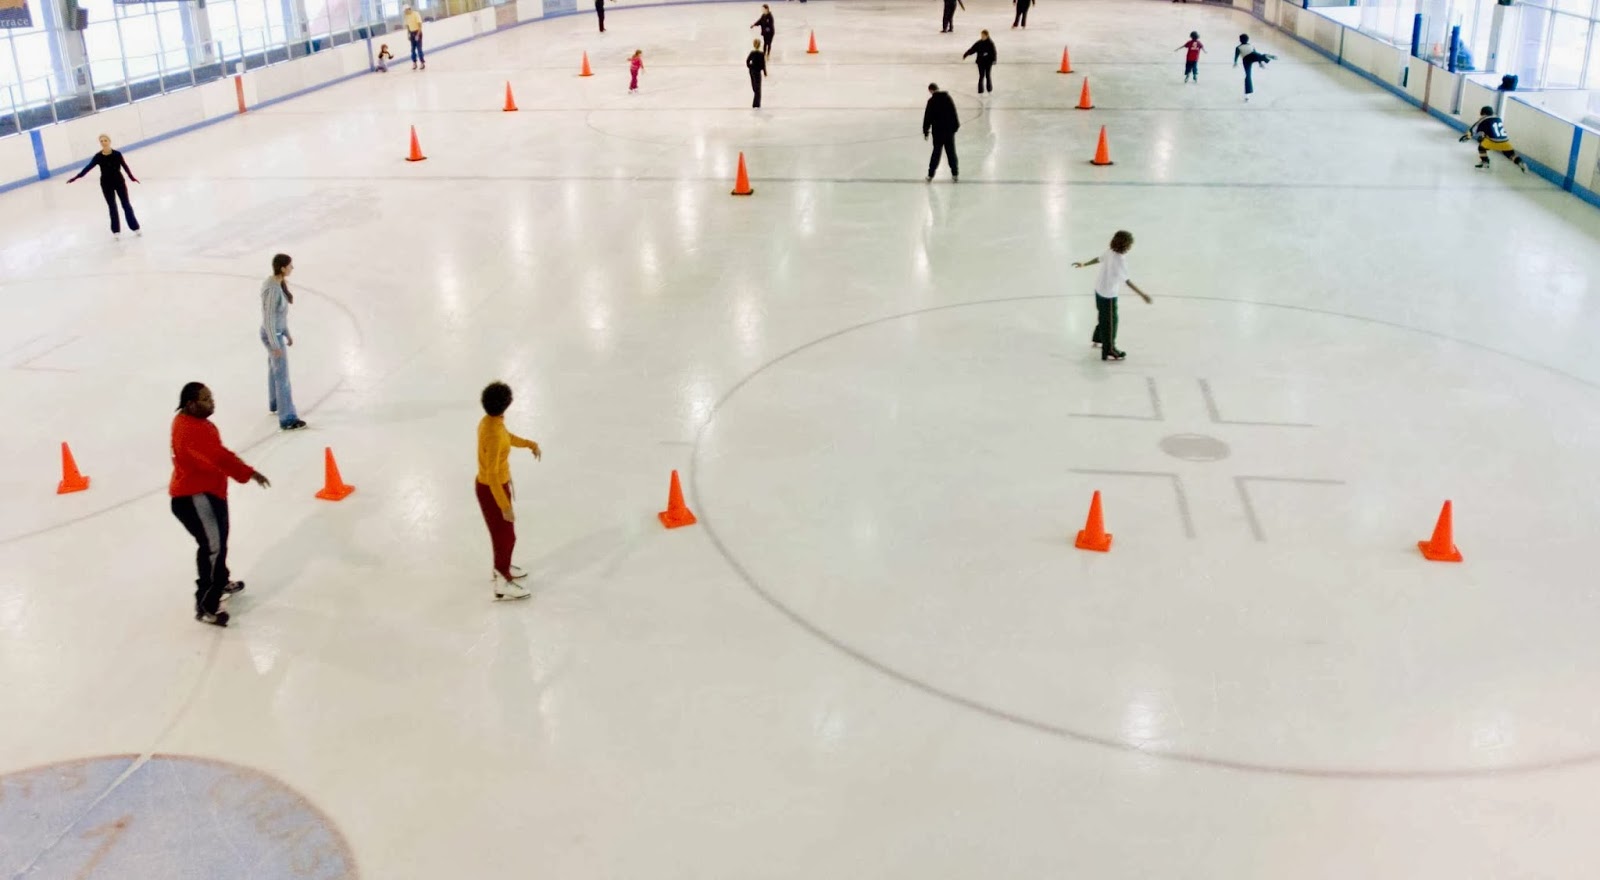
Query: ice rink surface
{"points": [[878, 654]]}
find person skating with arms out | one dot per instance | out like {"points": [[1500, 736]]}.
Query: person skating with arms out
{"points": [[494, 487], [1113, 274], [201, 468], [1490, 133], [1191, 57], [112, 186], [1251, 57], [984, 49], [768, 28]]}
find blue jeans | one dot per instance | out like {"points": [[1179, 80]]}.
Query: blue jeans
{"points": [[280, 397]]}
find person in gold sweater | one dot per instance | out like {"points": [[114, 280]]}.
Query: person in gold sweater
{"points": [[494, 487]]}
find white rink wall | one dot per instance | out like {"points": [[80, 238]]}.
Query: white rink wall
{"points": [[1542, 124]]}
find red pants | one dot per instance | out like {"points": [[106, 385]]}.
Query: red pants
{"points": [[502, 533]]}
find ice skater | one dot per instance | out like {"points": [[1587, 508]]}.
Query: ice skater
{"points": [[275, 300], [600, 13], [1191, 56], [768, 29], [414, 34], [112, 186], [1490, 133], [494, 487], [1113, 274], [384, 57], [940, 118], [1251, 57], [1021, 18], [756, 63], [984, 49], [201, 468], [948, 23], [635, 64]]}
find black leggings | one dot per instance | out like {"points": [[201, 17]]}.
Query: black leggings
{"points": [[766, 44], [205, 516], [985, 84], [1251, 61], [600, 12], [114, 191], [1105, 328], [1022, 14]]}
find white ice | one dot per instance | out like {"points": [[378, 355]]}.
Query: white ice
{"points": [[878, 654]]}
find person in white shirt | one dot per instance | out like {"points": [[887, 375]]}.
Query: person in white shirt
{"points": [[1113, 274], [1251, 56]]}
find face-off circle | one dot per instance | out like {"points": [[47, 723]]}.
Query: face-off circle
{"points": [[908, 491], [168, 816]]}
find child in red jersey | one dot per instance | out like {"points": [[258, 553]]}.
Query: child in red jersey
{"points": [[1191, 57]]}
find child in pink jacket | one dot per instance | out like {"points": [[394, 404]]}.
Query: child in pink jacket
{"points": [[635, 64]]}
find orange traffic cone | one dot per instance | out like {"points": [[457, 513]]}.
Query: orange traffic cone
{"points": [[1094, 536], [677, 513], [813, 49], [1442, 547], [416, 148], [333, 486], [741, 181], [1102, 153], [586, 71], [71, 480], [511, 103], [1066, 61], [1084, 101]]}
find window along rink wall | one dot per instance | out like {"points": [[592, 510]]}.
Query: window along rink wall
{"points": [[1562, 151], [1559, 149], [40, 153]]}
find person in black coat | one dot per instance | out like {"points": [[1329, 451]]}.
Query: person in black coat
{"points": [[940, 118], [112, 186], [767, 29], [984, 49], [756, 63], [949, 24], [1021, 18]]}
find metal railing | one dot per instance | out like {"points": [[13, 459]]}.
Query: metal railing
{"points": [[113, 81]]}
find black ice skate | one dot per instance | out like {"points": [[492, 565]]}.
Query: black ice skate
{"points": [[218, 619]]}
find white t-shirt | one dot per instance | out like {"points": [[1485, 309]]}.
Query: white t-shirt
{"points": [[1113, 273]]}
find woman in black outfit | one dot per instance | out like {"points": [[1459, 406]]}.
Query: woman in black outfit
{"points": [[984, 49], [111, 184], [767, 29]]}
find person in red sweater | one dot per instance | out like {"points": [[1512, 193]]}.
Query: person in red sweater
{"points": [[201, 467]]}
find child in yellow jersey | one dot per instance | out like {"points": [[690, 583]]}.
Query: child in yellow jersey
{"points": [[494, 487]]}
